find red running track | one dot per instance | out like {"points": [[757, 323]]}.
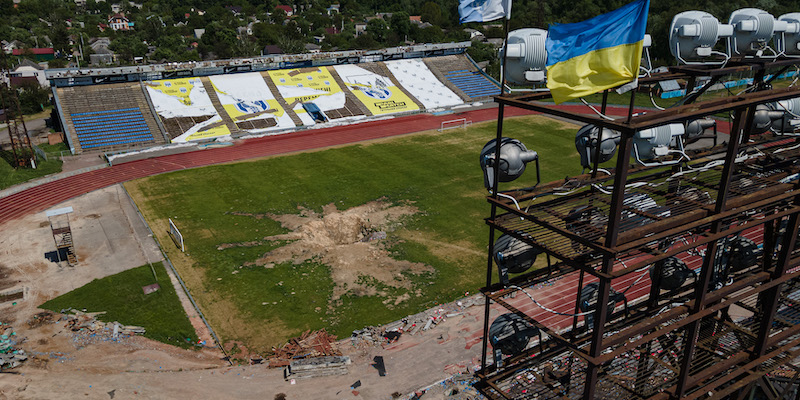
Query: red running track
{"points": [[49, 194]]}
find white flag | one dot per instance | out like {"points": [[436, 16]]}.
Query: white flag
{"points": [[483, 10]]}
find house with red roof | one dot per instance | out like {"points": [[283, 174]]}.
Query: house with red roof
{"points": [[119, 22], [38, 54], [288, 9]]}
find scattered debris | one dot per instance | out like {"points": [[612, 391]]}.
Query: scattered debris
{"points": [[411, 325], [356, 384], [11, 356], [310, 344], [317, 366]]}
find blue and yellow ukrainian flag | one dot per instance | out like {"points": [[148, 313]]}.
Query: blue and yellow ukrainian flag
{"points": [[597, 54]]}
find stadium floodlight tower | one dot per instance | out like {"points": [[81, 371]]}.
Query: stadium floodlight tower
{"points": [[692, 36], [526, 56], [752, 31], [788, 42]]}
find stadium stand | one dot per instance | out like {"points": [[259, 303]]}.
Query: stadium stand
{"points": [[462, 76], [108, 117]]}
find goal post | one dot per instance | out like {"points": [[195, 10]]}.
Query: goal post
{"points": [[176, 235], [455, 123]]}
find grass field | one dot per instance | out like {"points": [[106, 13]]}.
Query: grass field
{"points": [[10, 176], [121, 297], [438, 173]]}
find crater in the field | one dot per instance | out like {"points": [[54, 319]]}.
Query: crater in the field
{"points": [[351, 242]]}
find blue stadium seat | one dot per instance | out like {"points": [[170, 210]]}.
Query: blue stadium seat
{"points": [[473, 84], [111, 127]]}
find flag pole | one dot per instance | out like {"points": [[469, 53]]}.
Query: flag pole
{"points": [[505, 54]]}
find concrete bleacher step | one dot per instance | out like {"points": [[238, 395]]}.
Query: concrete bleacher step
{"points": [[212, 94], [363, 110], [275, 92], [105, 109], [461, 76]]}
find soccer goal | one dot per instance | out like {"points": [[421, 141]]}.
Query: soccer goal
{"points": [[176, 235], [454, 123]]}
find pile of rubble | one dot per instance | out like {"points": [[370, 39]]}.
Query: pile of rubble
{"points": [[82, 321], [10, 355], [413, 324], [308, 345]]}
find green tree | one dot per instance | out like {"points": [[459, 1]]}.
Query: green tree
{"points": [[431, 12], [128, 46]]}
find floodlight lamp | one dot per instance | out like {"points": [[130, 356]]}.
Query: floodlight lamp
{"points": [[654, 144], [511, 162], [790, 119], [514, 255], [588, 301], [764, 118], [674, 274], [695, 129], [588, 138], [752, 32], [692, 36], [788, 41], [511, 334], [526, 56]]}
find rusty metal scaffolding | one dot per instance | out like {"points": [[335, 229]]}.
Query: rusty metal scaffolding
{"points": [[21, 147], [696, 341]]}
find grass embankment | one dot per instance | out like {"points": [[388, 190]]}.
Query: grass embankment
{"points": [[123, 300], [260, 306], [9, 176]]}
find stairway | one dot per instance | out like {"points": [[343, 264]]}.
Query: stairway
{"points": [[281, 101], [212, 94]]}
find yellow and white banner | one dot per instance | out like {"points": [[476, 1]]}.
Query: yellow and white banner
{"points": [[376, 92], [183, 98], [246, 97]]}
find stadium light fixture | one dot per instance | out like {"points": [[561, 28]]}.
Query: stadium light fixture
{"points": [[513, 256], [654, 143], [589, 137], [752, 31], [674, 274], [788, 41], [588, 301], [696, 128], [526, 57], [510, 335], [765, 117], [692, 36], [790, 118], [511, 161]]}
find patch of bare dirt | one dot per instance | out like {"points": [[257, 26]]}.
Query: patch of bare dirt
{"points": [[351, 242]]}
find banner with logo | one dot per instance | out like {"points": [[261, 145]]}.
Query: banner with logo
{"points": [[378, 93], [247, 99], [185, 109]]}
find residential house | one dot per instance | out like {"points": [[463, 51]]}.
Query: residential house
{"points": [[38, 54], [312, 48], [360, 28], [236, 10], [288, 9], [102, 55], [198, 33], [119, 22], [334, 8], [332, 31], [8, 47], [475, 34], [28, 72]]}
